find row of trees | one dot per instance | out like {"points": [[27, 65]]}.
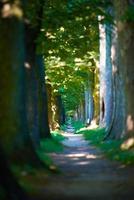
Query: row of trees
{"points": [[71, 56], [33, 33], [23, 99], [68, 67], [116, 71], [64, 36]]}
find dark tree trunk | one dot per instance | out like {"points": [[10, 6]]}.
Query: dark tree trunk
{"points": [[44, 129], [32, 84], [14, 131], [11, 188], [60, 110]]}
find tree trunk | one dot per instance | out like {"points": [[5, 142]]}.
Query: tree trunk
{"points": [[89, 106], [82, 111], [44, 129], [60, 110], [50, 113], [106, 95], [8, 183], [12, 115], [125, 31], [118, 122], [32, 84], [123, 72], [14, 131]]}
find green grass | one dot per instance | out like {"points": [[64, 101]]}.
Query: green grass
{"points": [[26, 173], [57, 136], [52, 144], [63, 127], [77, 125], [95, 135], [111, 148]]}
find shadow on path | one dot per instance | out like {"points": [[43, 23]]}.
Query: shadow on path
{"points": [[87, 174]]}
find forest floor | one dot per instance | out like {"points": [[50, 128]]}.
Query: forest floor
{"points": [[86, 174]]}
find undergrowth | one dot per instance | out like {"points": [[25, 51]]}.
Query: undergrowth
{"points": [[111, 148], [77, 125], [27, 174], [50, 145]]}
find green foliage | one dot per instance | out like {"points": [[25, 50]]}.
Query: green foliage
{"points": [[95, 135], [70, 47], [77, 125], [111, 148]]}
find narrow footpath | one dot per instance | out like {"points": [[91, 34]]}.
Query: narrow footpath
{"points": [[86, 174]]}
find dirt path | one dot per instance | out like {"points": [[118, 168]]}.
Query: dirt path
{"points": [[87, 174]]}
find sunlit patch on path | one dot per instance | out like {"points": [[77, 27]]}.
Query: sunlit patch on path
{"points": [[74, 140]]}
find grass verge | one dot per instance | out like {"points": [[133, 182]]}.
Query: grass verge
{"points": [[28, 176], [50, 145], [77, 125], [111, 148]]}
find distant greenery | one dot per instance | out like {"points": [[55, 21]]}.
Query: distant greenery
{"points": [[77, 125], [71, 46], [111, 148]]}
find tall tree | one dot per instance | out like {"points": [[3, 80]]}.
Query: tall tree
{"points": [[15, 136], [15, 139], [69, 46], [106, 84], [121, 56], [9, 185], [13, 113], [37, 102], [125, 29]]}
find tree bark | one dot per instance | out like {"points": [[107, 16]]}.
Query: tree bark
{"points": [[89, 106], [125, 30], [123, 72], [44, 129], [14, 131], [106, 95], [10, 186]]}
